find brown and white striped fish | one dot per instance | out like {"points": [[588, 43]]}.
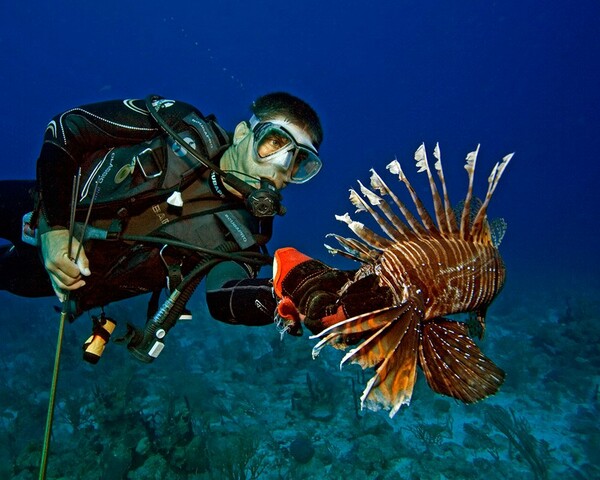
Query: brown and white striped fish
{"points": [[435, 268]]}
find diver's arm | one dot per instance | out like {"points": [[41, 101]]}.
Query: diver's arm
{"points": [[233, 297], [318, 296]]}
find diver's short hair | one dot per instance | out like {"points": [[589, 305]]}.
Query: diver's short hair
{"points": [[294, 109]]}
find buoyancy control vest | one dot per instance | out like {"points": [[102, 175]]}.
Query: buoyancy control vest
{"points": [[133, 177], [133, 191]]}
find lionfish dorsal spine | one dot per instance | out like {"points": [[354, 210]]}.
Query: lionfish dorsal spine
{"points": [[423, 166], [344, 253], [401, 231], [378, 184], [364, 233], [394, 167], [351, 244], [480, 228], [473, 227], [471, 161], [361, 205], [353, 249], [451, 223]]}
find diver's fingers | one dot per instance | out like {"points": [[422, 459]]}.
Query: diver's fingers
{"points": [[83, 263], [64, 273], [61, 290], [61, 293], [57, 258], [65, 282], [63, 268]]}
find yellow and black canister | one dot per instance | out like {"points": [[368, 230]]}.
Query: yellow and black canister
{"points": [[102, 328]]}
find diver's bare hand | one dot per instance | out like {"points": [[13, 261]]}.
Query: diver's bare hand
{"points": [[64, 273]]}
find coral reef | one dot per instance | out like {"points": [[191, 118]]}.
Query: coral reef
{"points": [[518, 432], [227, 402]]}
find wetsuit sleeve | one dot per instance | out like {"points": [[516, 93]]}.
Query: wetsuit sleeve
{"points": [[233, 297], [73, 136]]}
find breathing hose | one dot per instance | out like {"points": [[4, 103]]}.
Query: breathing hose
{"points": [[145, 345], [224, 253], [261, 202]]}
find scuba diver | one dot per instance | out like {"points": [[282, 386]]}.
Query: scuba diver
{"points": [[148, 196]]}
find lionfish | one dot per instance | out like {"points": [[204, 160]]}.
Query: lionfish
{"points": [[434, 269]]}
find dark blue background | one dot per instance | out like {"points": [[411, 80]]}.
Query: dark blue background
{"points": [[385, 76]]}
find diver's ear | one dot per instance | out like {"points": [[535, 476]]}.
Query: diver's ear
{"points": [[241, 130]]}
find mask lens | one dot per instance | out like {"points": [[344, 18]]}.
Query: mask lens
{"points": [[271, 141], [276, 146], [306, 166]]}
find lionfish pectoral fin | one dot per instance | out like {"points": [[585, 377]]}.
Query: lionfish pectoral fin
{"points": [[390, 345], [360, 325], [392, 385], [454, 365], [374, 349]]}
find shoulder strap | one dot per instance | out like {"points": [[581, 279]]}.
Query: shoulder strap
{"points": [[214, 137]]}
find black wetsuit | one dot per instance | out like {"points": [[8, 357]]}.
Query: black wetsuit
{"points": [[93, 137], [21, 269]]}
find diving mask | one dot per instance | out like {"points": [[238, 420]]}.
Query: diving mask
{"points": [[287, 147]]}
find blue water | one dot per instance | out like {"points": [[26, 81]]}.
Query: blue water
{"points": [[384, 77]]}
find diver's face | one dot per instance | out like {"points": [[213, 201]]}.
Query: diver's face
{"points": [[258, 160], [269, 145]]}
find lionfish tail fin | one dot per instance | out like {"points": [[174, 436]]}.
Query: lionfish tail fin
{"points": [[454, 365], [390, 339]]}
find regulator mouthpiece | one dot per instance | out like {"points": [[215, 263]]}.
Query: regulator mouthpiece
{"points": [[265, 201]]}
